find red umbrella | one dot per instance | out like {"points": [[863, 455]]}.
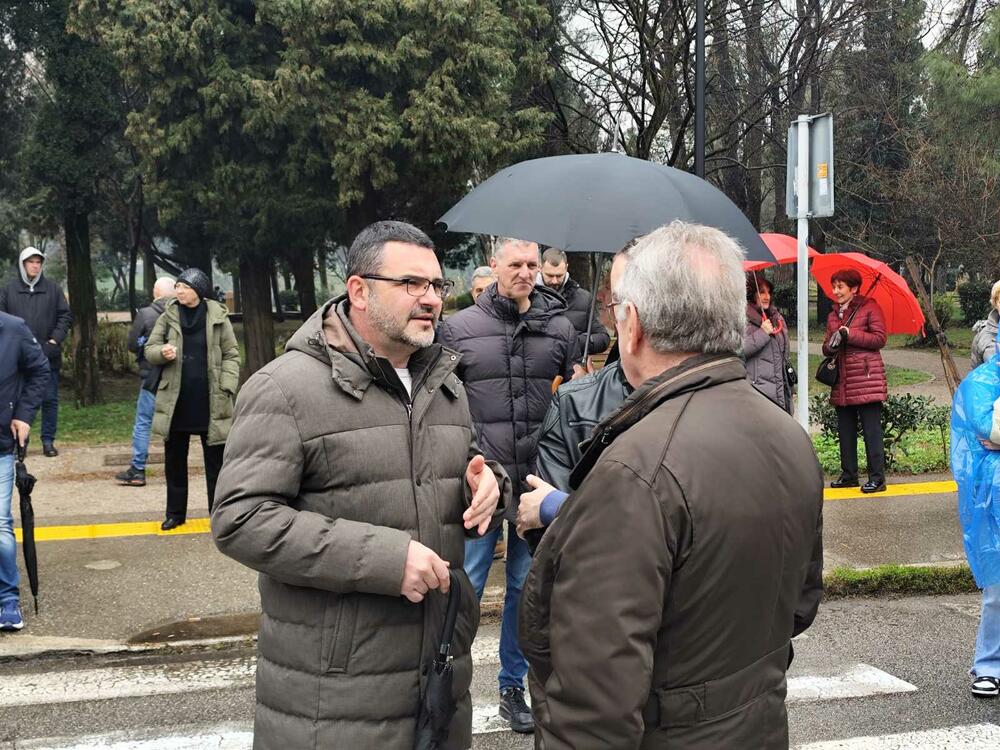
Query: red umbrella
{"points": [[901, 309], [785, 249]]}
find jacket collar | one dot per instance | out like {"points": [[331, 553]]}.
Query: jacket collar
{"points": [[330, 337], [694, 374], [545, 304], [215, 312]]}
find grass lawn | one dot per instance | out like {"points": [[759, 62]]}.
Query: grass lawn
{"points": [[896, 376]]}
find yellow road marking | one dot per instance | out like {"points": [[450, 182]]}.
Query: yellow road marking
{"points": [[893, 490], [111, 530], [201, 525]]}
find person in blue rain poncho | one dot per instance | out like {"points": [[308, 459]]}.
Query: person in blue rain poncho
{"points": [[975, 462]]}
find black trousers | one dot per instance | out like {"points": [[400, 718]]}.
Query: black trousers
{"points": [[870, 416], [176, 468]]}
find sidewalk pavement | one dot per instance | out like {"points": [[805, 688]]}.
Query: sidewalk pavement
{"points": [[146, 588]]}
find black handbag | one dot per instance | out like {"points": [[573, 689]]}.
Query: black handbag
{"points": [[791, 377], [828, 373]]}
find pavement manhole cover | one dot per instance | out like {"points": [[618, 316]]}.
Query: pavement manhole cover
{"points": [[103, 565]]}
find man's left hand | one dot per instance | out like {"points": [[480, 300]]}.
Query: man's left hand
{"points": [[530, 508], [989, 445], [485, 495]]}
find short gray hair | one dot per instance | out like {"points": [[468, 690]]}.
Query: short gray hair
{"points": [[502, 242], [687, 285], [483, 272], [365, 254], [554, 257]]}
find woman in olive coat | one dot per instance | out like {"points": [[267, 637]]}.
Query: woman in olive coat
{"points": [[194, 343]]}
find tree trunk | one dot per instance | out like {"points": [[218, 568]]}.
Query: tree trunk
{"points": [[580, 268], [305, 281], [237, 292], [258, 323], [279, 313], [148, 266], [83, 304], [321, 264]]}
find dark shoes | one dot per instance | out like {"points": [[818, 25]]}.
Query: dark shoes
{"points": [[131, 477], [516, 711], [986, 687], [171, 523], [844, 481], [49, 450], [869, 487]]}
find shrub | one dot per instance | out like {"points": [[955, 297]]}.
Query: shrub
{"points": [[902, 415], [974, 299], [289, 299], [785, 298], [112, 350]]}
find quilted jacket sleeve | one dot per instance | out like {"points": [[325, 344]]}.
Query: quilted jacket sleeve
{"points": [[254, 520], [871, 334]]}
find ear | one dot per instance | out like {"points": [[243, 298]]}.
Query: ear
{"points": [[357, 293], [493, 263], [630, 330]]}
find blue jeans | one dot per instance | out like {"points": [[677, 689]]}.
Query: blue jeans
{"points": [[986, 662], [9, 578], [144, 409], [50, 406], [478, 559]]}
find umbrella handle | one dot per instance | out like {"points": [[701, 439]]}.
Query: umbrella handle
{"points": [[22, 450], [450, 617]]}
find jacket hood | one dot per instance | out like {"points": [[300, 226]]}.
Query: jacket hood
{"points": [[545, 304], [330, 337], [991, 323], [29, 252], [215, 312], [160, 304], [693, 374]]}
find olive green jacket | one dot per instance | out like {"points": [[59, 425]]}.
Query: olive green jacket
{"points": [[223, 369]]}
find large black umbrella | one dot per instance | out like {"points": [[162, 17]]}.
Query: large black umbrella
{"points": [[597, 203], [437, 706], [25, 483]]}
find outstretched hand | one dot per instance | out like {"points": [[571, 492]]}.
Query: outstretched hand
{"points": [[485, 495]]}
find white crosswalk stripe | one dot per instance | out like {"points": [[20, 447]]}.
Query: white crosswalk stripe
{"points": [[151, 679], [947, 738]]}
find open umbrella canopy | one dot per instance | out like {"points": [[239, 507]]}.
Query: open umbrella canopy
{"points": [[899, 306], [785, 249], [594, 203]]}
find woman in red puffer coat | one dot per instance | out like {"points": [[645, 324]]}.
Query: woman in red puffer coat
{"points": [[861, 386]]}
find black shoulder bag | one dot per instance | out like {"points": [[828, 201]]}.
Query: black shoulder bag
{"points": [[828, 372]]}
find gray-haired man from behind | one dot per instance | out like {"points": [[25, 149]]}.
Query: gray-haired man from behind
{"points": [[662, 600], [351, 480], [149, 379]]}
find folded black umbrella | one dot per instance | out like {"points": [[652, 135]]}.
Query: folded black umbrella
{"points": [[437, 706], [25, 483]]}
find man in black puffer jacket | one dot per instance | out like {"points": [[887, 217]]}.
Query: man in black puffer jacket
{"points": [[515, 341], [555, 275]]}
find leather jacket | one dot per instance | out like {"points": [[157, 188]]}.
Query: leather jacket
{"points": [[576, 408]]}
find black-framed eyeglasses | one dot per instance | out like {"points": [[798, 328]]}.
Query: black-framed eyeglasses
{"points": [[415, 286]]}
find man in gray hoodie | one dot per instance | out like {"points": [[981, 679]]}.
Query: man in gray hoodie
{"points": [[40, 303]]}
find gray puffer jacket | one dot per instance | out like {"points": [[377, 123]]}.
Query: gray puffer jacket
{"points": [[984, 336], [330, 471], [509, 362], [765, 356]]}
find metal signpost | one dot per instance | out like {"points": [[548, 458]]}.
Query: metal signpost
{"points": [[808, 194]]}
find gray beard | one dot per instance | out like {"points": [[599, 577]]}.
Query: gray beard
{"points": [[386, 324]]}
